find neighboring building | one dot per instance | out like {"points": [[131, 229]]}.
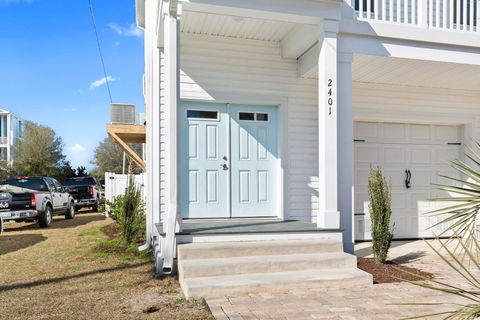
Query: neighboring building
{"points": [[11, 130], [280, 108]]}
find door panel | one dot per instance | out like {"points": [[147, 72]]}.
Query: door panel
{"points": [[203, 148], [228, 160], [254, 161]]}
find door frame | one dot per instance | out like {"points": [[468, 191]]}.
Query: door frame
{"points": [[282, 143]]}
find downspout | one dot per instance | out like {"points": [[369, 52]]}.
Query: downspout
{"points": [[148, 225]]}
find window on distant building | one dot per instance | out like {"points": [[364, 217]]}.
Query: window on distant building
{"points": [[3, 154]]}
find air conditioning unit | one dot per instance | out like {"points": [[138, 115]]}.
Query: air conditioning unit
{"points": [[142, 118], [121, 113]]}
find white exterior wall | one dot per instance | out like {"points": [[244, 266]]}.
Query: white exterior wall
{"points": [[234, 70], [410, 104], [218, 69]]}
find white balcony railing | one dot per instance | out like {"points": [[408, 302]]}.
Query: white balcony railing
{"points": [[460, 15]]}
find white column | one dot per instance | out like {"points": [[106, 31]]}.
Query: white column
{"points": [[345, 148], [172, 72], [328, 215]]}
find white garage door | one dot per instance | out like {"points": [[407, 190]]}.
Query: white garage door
{"points": [[424, 150]]}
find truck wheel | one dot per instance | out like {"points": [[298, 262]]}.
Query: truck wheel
{"points": [[1, 225], [45, 219], [95, 207], [70, 214]]}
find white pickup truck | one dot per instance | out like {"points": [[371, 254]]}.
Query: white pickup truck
{"points": [[34, 199]]}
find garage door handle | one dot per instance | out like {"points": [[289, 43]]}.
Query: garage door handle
{"points": [[408, 178]]}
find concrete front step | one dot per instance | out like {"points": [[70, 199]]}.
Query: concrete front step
{"points": [[256, 248], [210, 287], [265, 264]]}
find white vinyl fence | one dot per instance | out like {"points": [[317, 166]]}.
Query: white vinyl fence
{"points": [[115, 185]]}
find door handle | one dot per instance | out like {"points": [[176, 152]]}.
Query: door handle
{"points": [[224, 166], [408, 178]]}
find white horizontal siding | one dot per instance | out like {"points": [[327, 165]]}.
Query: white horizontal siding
{"points": [[382, 102], [225, 70], [230, 70]]}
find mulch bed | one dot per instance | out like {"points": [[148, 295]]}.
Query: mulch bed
{"points": [[112, 231], [391, 272]]}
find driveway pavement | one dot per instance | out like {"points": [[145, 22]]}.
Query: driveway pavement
{"points": [[382, 301]]}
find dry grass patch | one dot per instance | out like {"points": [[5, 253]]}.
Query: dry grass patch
{"points": [[76, 271]]}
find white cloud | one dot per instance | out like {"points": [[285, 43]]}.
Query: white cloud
{"points": [[100, 82], [69, 109], [77, 148], [130, 31]]}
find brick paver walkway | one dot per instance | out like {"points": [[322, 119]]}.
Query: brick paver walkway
{"points": [[382, 301]]}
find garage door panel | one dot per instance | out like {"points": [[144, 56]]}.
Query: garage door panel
{"points": [[447, 133], [419, 201], [361, 177], [444, 155], [399, 200], [394, 155], [424, 150], [449, 173], [367, 155], [394, 131], [361, 201], [421, 178], [420, 156], [396, 176], [420, 132]]}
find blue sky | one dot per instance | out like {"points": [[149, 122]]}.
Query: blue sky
{"points": [[49, 63]]}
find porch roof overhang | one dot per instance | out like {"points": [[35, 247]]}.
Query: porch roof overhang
{"points": [[123, 134], [295, 24]]}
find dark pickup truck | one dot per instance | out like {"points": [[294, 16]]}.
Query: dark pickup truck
{"points": [[34, 198], [84, 191]]}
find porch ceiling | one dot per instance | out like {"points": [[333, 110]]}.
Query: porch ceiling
{"points": [[234, 27], [418, 73]]}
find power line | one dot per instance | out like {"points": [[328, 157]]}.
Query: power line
{"points": [[90, 6]]}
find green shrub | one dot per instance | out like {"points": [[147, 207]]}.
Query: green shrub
{"points": [[128, 211], [380, 213]]}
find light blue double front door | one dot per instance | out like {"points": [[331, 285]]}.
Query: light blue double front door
{"points": [[228, 160]]}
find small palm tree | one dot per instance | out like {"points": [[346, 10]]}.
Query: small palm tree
{"points": [[460, 218], [460, 221], [471, 309]]}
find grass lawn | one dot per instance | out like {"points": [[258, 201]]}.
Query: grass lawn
{"points": [[73, 270]]}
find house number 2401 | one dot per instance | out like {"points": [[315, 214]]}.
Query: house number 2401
{"points": [[330, 96]]}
